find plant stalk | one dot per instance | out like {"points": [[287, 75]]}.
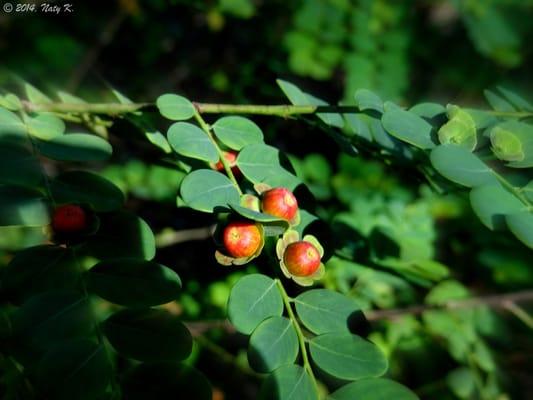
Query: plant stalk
{"points": [[299, 333]]}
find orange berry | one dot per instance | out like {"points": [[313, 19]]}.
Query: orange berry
{"points": [[301, 258]]}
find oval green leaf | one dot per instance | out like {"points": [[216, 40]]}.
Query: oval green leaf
{"points": [[459, 165], [368, 100], [299, 97], [204, 189], [347, 356], [260, 163], [273, 343], [174, 107], [373, 389], [133, 282], [255, 215], [11, 127], [521, 224], [148, 335], [78, 369], [428, 110], [323, 311], [290, 382], [39, 269], [254, 298], [237, 132], [86, 188], [492, 202], [19, 166], [52, 318], [75, 147], [190, 141], [20, 206], [45, 126], [409, 127], [121, 235]]}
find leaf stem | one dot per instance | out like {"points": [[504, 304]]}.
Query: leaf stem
{"points": [[207, 129], [299, 333], [115, 109]]}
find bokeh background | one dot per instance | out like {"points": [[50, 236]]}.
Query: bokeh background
{"points": [[232, 51]]}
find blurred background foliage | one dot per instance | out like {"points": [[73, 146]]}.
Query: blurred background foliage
{"points": [[393, 241]]}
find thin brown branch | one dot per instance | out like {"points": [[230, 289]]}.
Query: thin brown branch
{"points": [[496, 301], [168, 238]]}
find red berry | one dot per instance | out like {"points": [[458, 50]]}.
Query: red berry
{"points": [[241, 239], [69, 218], [279, 202], [301, 258], [231, 158]]}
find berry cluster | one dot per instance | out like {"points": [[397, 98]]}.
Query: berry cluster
{"points": [[243, 239]]}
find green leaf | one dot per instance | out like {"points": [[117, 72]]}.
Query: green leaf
{"points": [[11, 102], [300, 98], [492, 202], [428, 110], [19, 166], [373, 389], [39, 269], [165, 381], [521, 224], [408, 126], [45, 126], [190, 141], [69, 98], [347, 356], [122, 235], [445, 291], [140, 120], [290, 382], [133, 282], [368, 100], [461, 166], [52, 318], [174, 107], [237, 132], [254, 298], [516, 100], [11, 127], [260, 163], [497, 102], [358, 125], [322, 311], [205, 189], [35, 95], [462, 382], [20, 206], [77, 369], [148, 335], [75, 147], [273, 343], [86, 188], [255, 215], [272, 226]]}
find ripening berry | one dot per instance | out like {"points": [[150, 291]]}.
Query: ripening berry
{"points": [[69, 218], [279, 202], [301, 258], [231, 158], [241, 239]]}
